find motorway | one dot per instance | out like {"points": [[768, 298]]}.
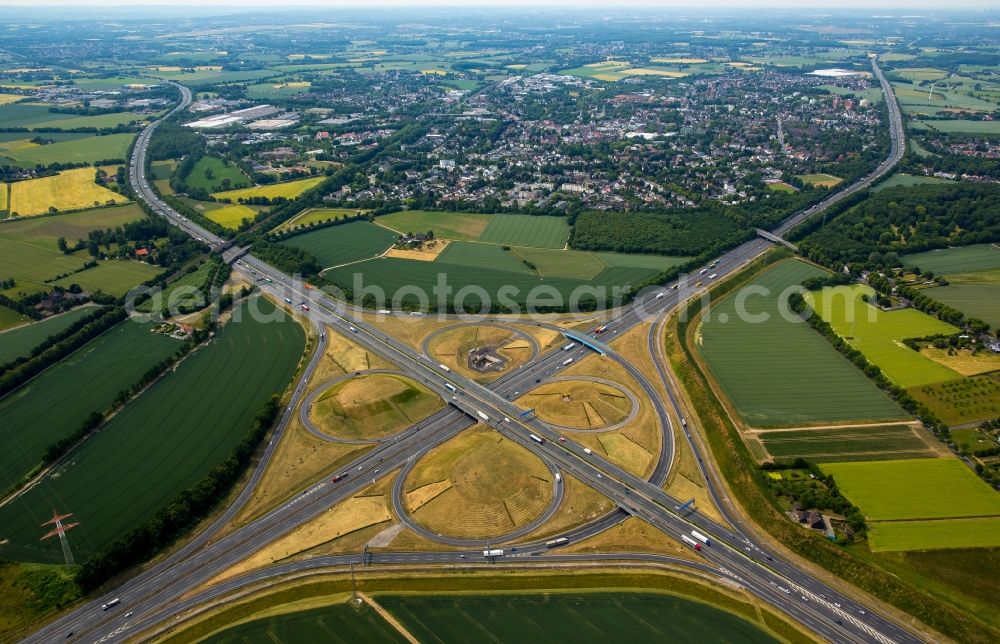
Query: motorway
{"points": [[152, 596]]}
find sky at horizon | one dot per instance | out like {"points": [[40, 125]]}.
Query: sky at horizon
{"points": [[696, 5]]}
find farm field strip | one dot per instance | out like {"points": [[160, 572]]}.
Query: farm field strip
{"points": [[114, 277], [963, 259], [44, 231], [316, 215], [771, 371], [567, 617], [286, 190], [88, 150], [846, 444], [345, 243], [894, 536], [21, 340], [937, 488], [68, 190], [878, 334], [108, 364], [350, 624], [161, 443]]}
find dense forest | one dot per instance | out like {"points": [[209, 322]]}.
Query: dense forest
{"points": [[901, 220], [687, 233]]}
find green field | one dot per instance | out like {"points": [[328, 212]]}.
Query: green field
{"points": [[488, 266], [779, 372], [889, 536], [10, 318], [908, 181], [846, 444], [978, 300], [527, 230], [878, 333], [962, 259], [960, 401], [44, 231], [88, 150], [973, 273], [510, 230], [337, 623], [161, 443], [988, 128], [445, 224], [114, 277], [569, 617], [820, 179], [270, 91], [34, 115], [345, 243], [110, 363], [30, 265], [20, 341], [316, 215], [287, 190], [928, 488], [209, 172]]}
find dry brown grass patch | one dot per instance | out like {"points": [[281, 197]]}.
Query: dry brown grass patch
{"points": [[495, 486]]}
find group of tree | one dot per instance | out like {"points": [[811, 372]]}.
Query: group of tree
{"points": [[872, 232]]}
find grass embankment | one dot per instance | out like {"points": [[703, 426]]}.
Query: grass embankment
{"points": [[945, 610]]}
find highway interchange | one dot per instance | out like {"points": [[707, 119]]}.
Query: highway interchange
{"points": [[152, 598]]}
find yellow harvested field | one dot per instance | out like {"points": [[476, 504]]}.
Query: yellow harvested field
{"points": [[68, 190], [6, 99], [679, 61], [494, 486], [3, 197], [287, 190], [427, 253], [963, 362], [647, 71], [434, 72], [166, 68], [230, 216]]}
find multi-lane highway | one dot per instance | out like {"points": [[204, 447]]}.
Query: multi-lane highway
{"points": [[152, 596]]}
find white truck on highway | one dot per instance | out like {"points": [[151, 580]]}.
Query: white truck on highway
{"points": [[483, 416], [444, 367], [569, 346], [691, 542], [111, 602], [493, 552], [567, 361], [700, 537]]}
